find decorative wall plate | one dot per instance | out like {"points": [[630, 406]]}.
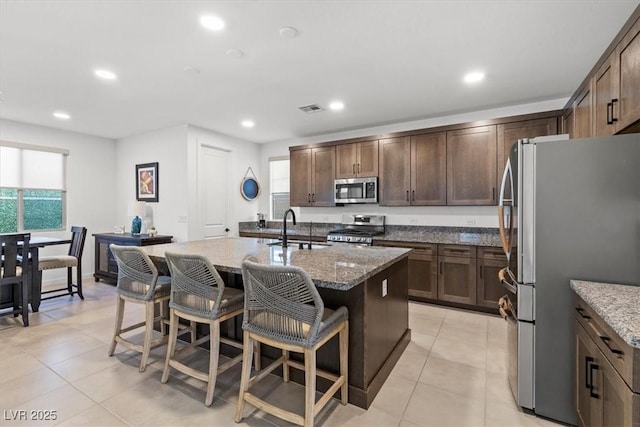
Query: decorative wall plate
{"points": [[250, 187]]}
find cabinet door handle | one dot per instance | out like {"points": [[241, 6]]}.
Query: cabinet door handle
{"points": [[592, 367], [587, 373], [441, 272], [493, 193], [613, 119], [358, 167], [309, 198], [480, 271], [609, 113], [581, 313], [354, 168], [313, 197], [413, 195], [606, 340], [407, 195]]}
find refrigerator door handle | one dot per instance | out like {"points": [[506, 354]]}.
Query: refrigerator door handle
{"points": [[505, 214], [502, 276]]}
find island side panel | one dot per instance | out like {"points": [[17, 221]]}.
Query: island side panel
{"points": [[386, 317]]}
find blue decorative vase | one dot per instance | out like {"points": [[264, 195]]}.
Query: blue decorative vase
{"points": [[136, 225]]}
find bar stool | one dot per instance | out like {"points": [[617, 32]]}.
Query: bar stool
{"points": [[139, 283], [198, 294], [283, 309]]}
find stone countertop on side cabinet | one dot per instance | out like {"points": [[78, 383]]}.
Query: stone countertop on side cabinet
{"points": [[474, 236], [618, 305], [443, 235]]}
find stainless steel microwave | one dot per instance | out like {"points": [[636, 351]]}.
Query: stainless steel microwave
{"points": [[356, 190]]}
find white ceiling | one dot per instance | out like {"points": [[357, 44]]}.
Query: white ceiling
{"points": [[389, 61]]}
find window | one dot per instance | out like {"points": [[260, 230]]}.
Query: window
{"points": [[32, 188], [279, 187]]}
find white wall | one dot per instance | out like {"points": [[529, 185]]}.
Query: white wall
{"points": [[91, 184], [168, 147], [460, 216], [175, 150]]}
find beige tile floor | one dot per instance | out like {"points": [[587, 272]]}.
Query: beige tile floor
{"points": [[452, 374]]}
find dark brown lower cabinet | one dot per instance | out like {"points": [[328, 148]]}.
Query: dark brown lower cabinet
{"points": [[457, 274], [105, 265], [490, 261], [603, 397], [423, 267]]}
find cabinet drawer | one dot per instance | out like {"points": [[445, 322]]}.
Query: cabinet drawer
{"points": [[620, 354], [457, 251], [491, 253], [424, 249]]}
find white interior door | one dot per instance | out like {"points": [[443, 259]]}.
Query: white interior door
{"points": [[212, 191]]}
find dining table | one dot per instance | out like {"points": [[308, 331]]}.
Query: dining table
{"points": [[34, 275]]}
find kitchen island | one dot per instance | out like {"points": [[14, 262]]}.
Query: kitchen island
{"points": [[370, 281]]}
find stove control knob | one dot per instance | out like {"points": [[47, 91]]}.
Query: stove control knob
{"points": [[349, 238]]}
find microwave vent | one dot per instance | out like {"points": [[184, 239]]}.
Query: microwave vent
{"points": [[312, 108]]}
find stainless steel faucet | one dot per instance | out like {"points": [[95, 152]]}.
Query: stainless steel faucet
{"points": [[284, 225]]}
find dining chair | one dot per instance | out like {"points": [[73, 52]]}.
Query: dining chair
{"points": [[14, 248], [283, 309], [199, 295], [72, 259], [139, 283]]}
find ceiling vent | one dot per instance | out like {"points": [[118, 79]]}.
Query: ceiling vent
{"points": [[310, 109]]}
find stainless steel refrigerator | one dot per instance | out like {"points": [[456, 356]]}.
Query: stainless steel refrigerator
{"points": [[576, 210]]}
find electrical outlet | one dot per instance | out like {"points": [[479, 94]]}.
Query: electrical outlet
{"points": [[384, 288], [471, 221]]}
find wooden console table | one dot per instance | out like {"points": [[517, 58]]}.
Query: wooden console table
{"points": [[105, 265]]}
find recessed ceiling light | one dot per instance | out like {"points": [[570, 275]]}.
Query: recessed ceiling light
{"points": [[61, 115], [105, 74], [212, 22], [288, 32], [191, 70], [474, 77], [235, 53], [336, 105], [248, 123]]}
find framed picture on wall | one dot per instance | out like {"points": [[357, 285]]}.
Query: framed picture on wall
{"points": [[147, 182]]}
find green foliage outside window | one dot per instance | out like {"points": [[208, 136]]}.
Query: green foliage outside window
{"points": [[42, 210], [8, 210]]}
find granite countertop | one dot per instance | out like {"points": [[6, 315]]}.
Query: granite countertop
{"points": [[618, 305], [475, 236], [338, 266]]}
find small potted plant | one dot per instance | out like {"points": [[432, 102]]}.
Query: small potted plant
{"points": [[153, 231]]}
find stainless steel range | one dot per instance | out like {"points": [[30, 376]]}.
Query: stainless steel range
{"points": [[358, 229]]}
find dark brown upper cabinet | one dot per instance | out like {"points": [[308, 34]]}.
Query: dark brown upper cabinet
{"points": [[413, 170], [510, 133], [583, 114], [472, 166], [358, 159], [312, 172]]}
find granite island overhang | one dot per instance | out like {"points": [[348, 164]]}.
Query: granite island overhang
{"points": [[371, 281]]}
